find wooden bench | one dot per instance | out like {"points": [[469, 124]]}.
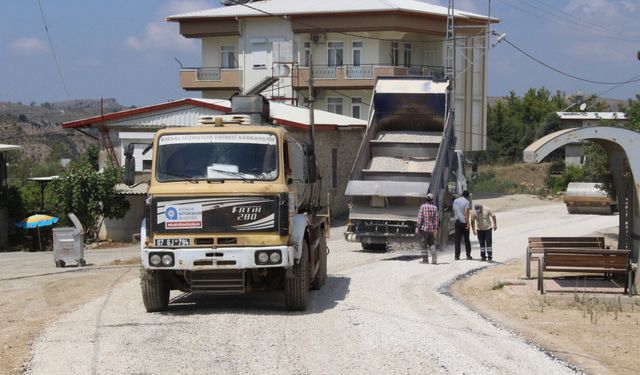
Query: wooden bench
{"points": [[586, 260], [536, 246]]}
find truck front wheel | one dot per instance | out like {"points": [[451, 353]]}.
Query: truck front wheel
{"points": [[155, 291], [296, 288]]}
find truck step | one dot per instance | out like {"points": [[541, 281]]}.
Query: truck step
{"points": [[368, 175], [404, 149]]}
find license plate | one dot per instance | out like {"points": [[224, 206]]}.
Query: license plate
{"points": [[173, 242]]}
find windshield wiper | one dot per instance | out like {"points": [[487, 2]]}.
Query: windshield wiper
{"points": [[237, 174], [184, 176]]}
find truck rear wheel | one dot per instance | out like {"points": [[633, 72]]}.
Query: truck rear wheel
{"points": [[296, 288], [321, 277], [155, 291]]}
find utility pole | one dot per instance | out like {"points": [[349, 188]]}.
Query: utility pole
{"points": [[311, 106]]}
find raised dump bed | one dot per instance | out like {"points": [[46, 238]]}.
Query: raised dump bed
{"points": [[405, 148]]}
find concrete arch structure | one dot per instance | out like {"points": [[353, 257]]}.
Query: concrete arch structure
{"points": [[623, 149]]}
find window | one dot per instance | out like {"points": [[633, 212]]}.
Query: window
{"points": [[306, 61], [430, 57], [259, 54], [334, 168], [227, 57], [356, 107], [407, 55], [357, 53], [395, 54], [334, 105], [335, 52]]}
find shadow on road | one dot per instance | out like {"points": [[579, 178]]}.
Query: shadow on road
{"points": [[261, 303]]}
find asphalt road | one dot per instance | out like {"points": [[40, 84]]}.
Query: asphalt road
{"points": [[378, 313]]}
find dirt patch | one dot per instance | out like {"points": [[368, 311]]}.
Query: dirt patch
{"points": [[31, 302], [597, 332]]}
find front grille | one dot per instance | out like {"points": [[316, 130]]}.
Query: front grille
{"points": [[218, 282], [204, 241]]}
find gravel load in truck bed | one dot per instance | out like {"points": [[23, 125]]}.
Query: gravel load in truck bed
{"points": [[390, 164], [409, 137]]}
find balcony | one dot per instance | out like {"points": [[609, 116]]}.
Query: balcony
{"points": [[362, 76], [210, 78]]}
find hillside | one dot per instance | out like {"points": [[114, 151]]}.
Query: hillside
{"points": [[37, 127]]}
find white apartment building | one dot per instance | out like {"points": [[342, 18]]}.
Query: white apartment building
{"points": [[276, 45]]}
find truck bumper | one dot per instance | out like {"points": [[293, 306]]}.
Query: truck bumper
{"points": [[228, 258]]}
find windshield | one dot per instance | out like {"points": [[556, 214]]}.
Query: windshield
{"points": [[221, 156]]}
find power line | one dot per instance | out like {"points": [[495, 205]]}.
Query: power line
{"points": [[53, 51], [572, 17], [568, 23], [565, 73]]}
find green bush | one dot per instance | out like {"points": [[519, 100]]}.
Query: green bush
{"points": [[570, 174]]}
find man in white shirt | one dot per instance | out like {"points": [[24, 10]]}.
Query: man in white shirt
{"points": [[461, 211], [481, 218]]}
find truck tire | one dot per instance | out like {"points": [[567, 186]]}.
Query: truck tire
{"points": [[321, 277], [155, 291], [296, 288]]}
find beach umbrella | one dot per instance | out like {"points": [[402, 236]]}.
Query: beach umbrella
{"points": [[37, 221]]}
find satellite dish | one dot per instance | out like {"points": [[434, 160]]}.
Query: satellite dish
{"points": [[583, 106]]}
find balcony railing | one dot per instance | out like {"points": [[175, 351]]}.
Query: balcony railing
{"points": [[370, 71], [193, 78], [208, 74]]}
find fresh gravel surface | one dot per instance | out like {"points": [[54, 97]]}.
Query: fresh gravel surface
{"points": [[410, 137], [379, 313], [391, 164]]}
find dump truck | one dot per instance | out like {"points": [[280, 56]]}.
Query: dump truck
{"points": [[408, 150], [233, 206]]}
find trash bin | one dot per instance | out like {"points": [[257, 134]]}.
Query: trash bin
{"points": [[68, 244]]}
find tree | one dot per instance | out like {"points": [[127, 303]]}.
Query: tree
{"points": [[90, 195]]}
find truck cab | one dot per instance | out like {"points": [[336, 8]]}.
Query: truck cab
{"points": [[230, 209]]}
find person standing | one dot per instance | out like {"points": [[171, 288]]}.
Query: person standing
{"points": [[483, 217], [461, 208], [427, 228]]}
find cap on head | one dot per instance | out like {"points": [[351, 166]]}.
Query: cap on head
{"points": [[477, 206], [429, 197], [465, 193]]}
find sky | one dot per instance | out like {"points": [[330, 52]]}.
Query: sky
{"points": [[127, 51]]}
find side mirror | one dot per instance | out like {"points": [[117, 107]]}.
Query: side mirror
{"points": [[129, 165]]}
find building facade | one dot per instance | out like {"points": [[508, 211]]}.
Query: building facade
{"points": [[343, 46]]}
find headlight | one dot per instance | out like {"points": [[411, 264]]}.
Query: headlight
{"points": [[155, 260], [263, 257], [167, 260], [275, 257]]}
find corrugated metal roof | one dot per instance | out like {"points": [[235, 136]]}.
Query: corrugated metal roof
{"points": [[300, 115], [592, 115], [185, 112], [9, 147], [292, 7]]}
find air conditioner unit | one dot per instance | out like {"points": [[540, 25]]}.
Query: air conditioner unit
{"points": [[317, 37]]}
